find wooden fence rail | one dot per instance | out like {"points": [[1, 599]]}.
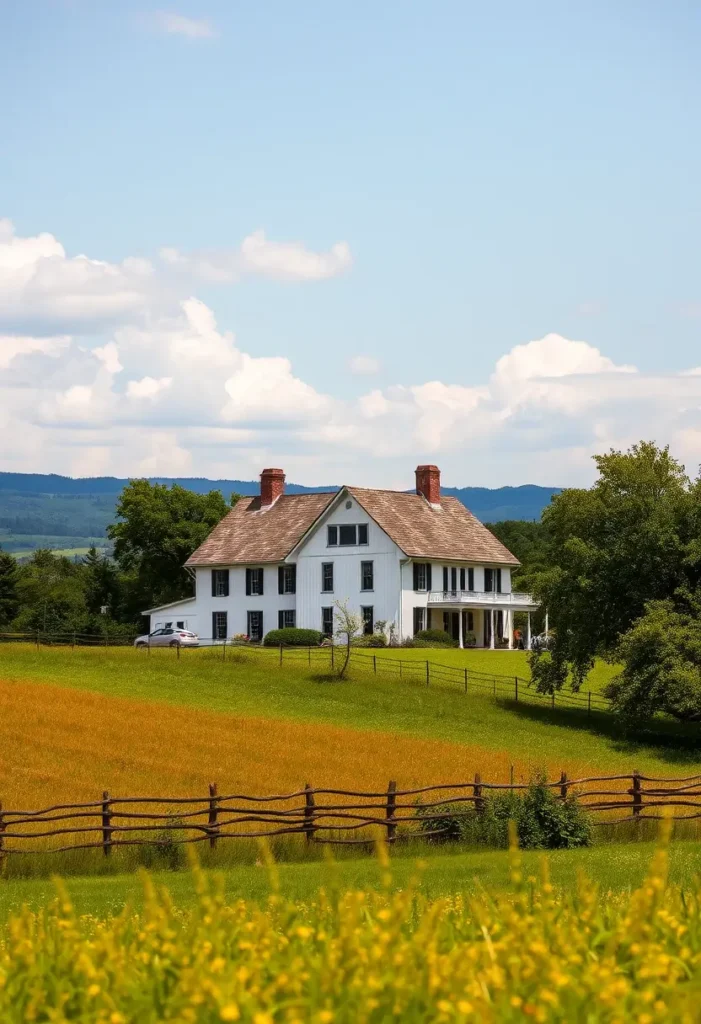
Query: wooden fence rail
{"points": [[322, 815], [419, 670]]}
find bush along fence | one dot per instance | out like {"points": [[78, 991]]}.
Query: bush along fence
{"points": [[323, 816], [328, 658]]}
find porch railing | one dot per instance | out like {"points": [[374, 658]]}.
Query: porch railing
{"points": [[482, 597]]}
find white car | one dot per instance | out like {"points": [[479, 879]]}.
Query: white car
{"points": [[168, 638]]}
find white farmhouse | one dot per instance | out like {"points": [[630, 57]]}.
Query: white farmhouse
{"points": [[418, 560]]}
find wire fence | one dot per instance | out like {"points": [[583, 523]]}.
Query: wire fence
{"points": [[382, 662], [323, 815]]}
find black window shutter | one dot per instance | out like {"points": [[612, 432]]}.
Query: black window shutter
{"points": [[462, 579], [428, 576], [248, 582], [260, 577], [498, 581], [445, 578], [280, 619], [226, 582], [214, 626], [416, 576], [293, 570], [214, 582], [470, 579], [281, 581]]}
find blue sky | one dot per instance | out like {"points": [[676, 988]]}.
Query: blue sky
{"points": [[496, 174]]}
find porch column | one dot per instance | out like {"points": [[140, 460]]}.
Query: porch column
{"points": [[460, 637], [492, 631], [528, 631], [510, 621]]}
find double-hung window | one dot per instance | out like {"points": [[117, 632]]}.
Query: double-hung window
{"points": [[219, 625], [220, 582], [327, 621], [368, 616], [287, 579], [327, 577], [422, 575], [254, 582], [286, 618], [347, 535], [367, 576], [254, 626], [489, 580]]}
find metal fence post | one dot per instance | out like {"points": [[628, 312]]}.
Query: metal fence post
{"points": [[637, 794], [374, 663], [281, 654]]}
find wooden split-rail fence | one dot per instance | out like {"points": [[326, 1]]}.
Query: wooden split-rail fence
{"points": [[322, 815]]}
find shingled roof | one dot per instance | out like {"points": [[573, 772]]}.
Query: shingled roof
{"points": [[421, 530], [250, 535]]}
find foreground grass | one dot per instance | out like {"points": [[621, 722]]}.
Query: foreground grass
{"points": [[247, 687], [615, 868], [533, 952]]}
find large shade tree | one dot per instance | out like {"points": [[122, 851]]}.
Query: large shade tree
{"points": [[615, 547], [158, 528]]}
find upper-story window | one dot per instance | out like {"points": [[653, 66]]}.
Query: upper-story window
{"points": [[492, 580], [287, 579], [254, 582], [347, 535], [327, 577], [367, 576], [220, 582], [422, 575]]}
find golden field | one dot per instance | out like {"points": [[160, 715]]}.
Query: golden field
{"points": [[60, 744]]}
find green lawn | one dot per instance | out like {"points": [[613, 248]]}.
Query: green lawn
{"points": [[616, 868], [257, 686]]}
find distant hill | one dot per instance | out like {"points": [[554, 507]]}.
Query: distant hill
{"points": [[66, 513]]}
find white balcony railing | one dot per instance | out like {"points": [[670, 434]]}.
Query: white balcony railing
{"points": [[482, 597]]}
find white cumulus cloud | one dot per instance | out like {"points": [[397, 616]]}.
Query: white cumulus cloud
{"points": [[364, 366], [179, 25]]}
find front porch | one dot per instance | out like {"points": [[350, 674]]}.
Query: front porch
{"points": [[489, 616]]}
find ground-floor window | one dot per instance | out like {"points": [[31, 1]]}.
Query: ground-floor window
{"points": [[254, 626], [219, 626], [419, 620], [368, 616], [327, 621], [286, 619]]}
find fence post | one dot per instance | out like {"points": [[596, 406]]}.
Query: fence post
{"points": [[374, 664], [589, 704], [516, 689], [511, 779], [465, 680], [106, 824], [213, 811], [309, 826], [477, 791], [332, 655], [636, 793], [391, 804], [563, 786], [428, 672], [281, 654]]}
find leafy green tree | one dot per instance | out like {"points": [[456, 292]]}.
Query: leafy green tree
{"points": [[614, 548], [101, 583], [158, 528], [661, 655], [9, 603], [50, 594]]}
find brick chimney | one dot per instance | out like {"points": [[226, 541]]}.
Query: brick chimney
{"points": [[428, 483], [272, 485]]}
